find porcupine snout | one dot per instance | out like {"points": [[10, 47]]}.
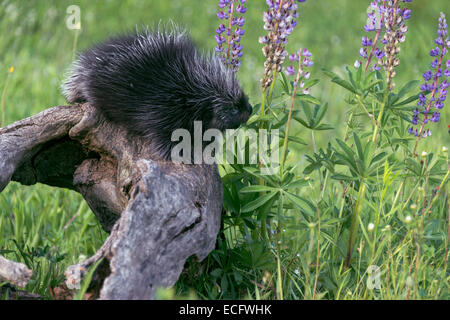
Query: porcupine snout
{"points": [[245, 111]]}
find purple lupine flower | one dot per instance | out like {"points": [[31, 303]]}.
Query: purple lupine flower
{"points": [[392, 15], [366, 42], [394, 19], [293, 57], [279, 21], [303, 57], [434, 83], [428, 75], [374, 23], [228, 47], [379, 53], [435, 52], [290, 70]]}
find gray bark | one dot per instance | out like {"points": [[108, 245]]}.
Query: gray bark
{"points": [[158, 213]]}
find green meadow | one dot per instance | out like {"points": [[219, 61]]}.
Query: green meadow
{"points": [[50, 229]]}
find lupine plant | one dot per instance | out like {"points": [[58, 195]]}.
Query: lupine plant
{"points": [[229, 33], [360, 168], [368, 193]]}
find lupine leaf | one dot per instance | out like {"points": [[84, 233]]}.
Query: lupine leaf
{"points": [[257, 188], [255, 204]]}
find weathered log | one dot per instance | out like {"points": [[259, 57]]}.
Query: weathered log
{"points": [[158, 213]]}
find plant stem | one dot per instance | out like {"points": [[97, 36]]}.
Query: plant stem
{"points": [[316, 278], [275, 74], [380, 116], [355, 222], [375, 41], [230, 26], [286, 134], [358, 97]]}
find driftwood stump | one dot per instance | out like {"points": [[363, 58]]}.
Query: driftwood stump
{"points": [[158, 213]]}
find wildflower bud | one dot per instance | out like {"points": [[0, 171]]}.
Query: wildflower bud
{"points": [[413, 206], [424, 154], [408, 219], [444, 149], [436, 100], [370, 227]]}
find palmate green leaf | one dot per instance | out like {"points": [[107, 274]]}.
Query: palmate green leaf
{"points": [[379, 157], [343, 177], [368, 151], [257, 188], [296, 184], [294, 139], [319, 113], [229, 201], [351, 77], [270, 180], [407, 88], [255, 204], [307, 98], [359, 147], [329, 73], [406, 101], [264, 210], [297, 140], [379, 76], [348, 156], [413, 166], [371, 85], [285, 83], [281, 122], [310, 83], [257, 118], [345, 84], [308, 112], [338, 80], [313, 166], [360, 161], [369, 78], [438, 170], [302, 122], [359, 75], [301, 203], [254, 256], [322, 127]]}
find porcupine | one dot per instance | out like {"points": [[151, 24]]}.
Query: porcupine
{"points": [[156, 81]]}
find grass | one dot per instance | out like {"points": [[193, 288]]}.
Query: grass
{"points": [[36, 224]]}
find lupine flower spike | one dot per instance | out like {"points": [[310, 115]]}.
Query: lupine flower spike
{"points": [[279, 21], [369, 46], [392, 15], [303, 58], [229, 33], [436, 82]]}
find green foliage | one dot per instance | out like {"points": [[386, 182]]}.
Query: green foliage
{"points": [[352, 192]]}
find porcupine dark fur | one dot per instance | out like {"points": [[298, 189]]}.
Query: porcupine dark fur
{"points": [[154, 82]]}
